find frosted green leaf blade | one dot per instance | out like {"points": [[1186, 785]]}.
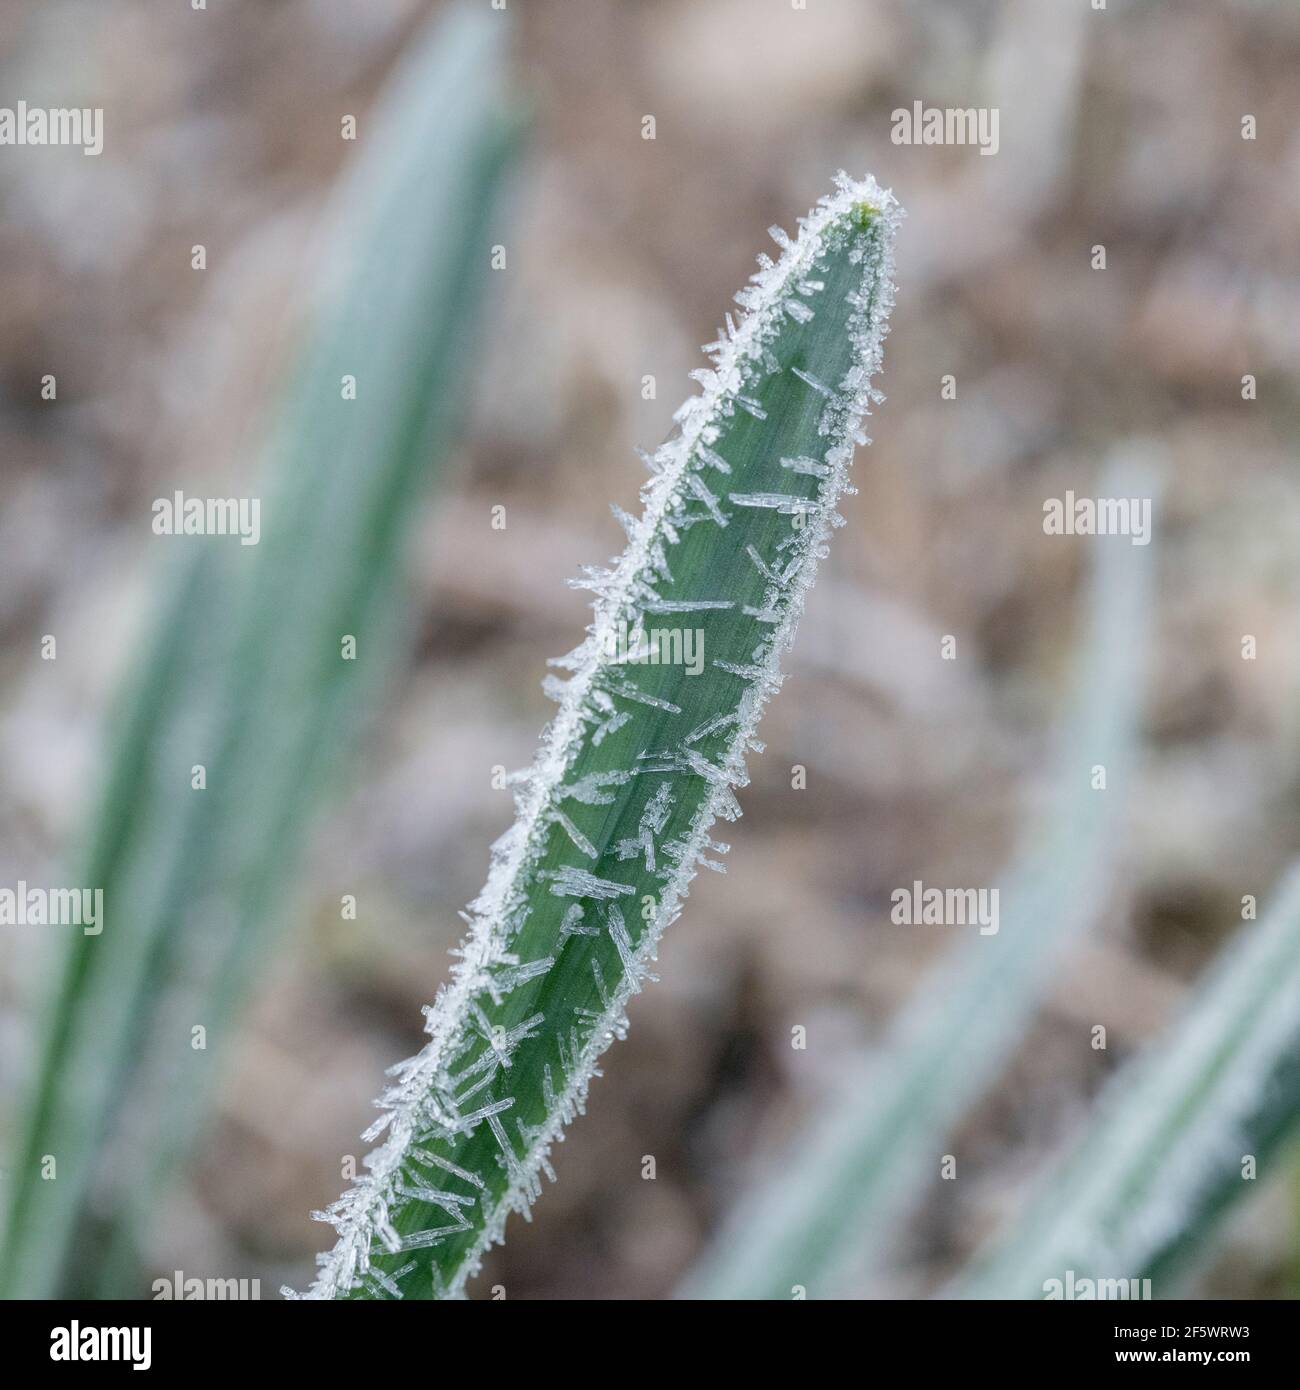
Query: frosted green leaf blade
{"points": [[638, 765]]}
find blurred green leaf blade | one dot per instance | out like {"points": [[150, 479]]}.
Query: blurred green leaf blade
{"points": [[248, 676], [1165, 1152]]}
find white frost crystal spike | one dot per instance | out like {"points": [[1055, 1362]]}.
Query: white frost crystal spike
{"points": [[623, 944], [655, 815], [777, 501], [762, 566], [569, 882], [746, 672], [599, 976], [696, 485], [809, 466], [434, 1160], [642, 697], [713, 458], [593, 789], [819, 386], [421, 1107], [712, 726], [576, 835], [687, 606]]}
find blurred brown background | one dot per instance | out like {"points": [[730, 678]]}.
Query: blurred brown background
{"points": [[1119, 127]]}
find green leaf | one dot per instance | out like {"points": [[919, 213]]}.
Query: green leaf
{"points": [[248, 676], [639, 763], [1165, 1152]]}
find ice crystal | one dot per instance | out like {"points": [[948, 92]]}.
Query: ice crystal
{"points": [[812, 467], [778, 501]]}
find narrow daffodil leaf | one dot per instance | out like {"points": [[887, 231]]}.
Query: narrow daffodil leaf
{"points": [[657, 715], [1179, 1134], [250, 676]]}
